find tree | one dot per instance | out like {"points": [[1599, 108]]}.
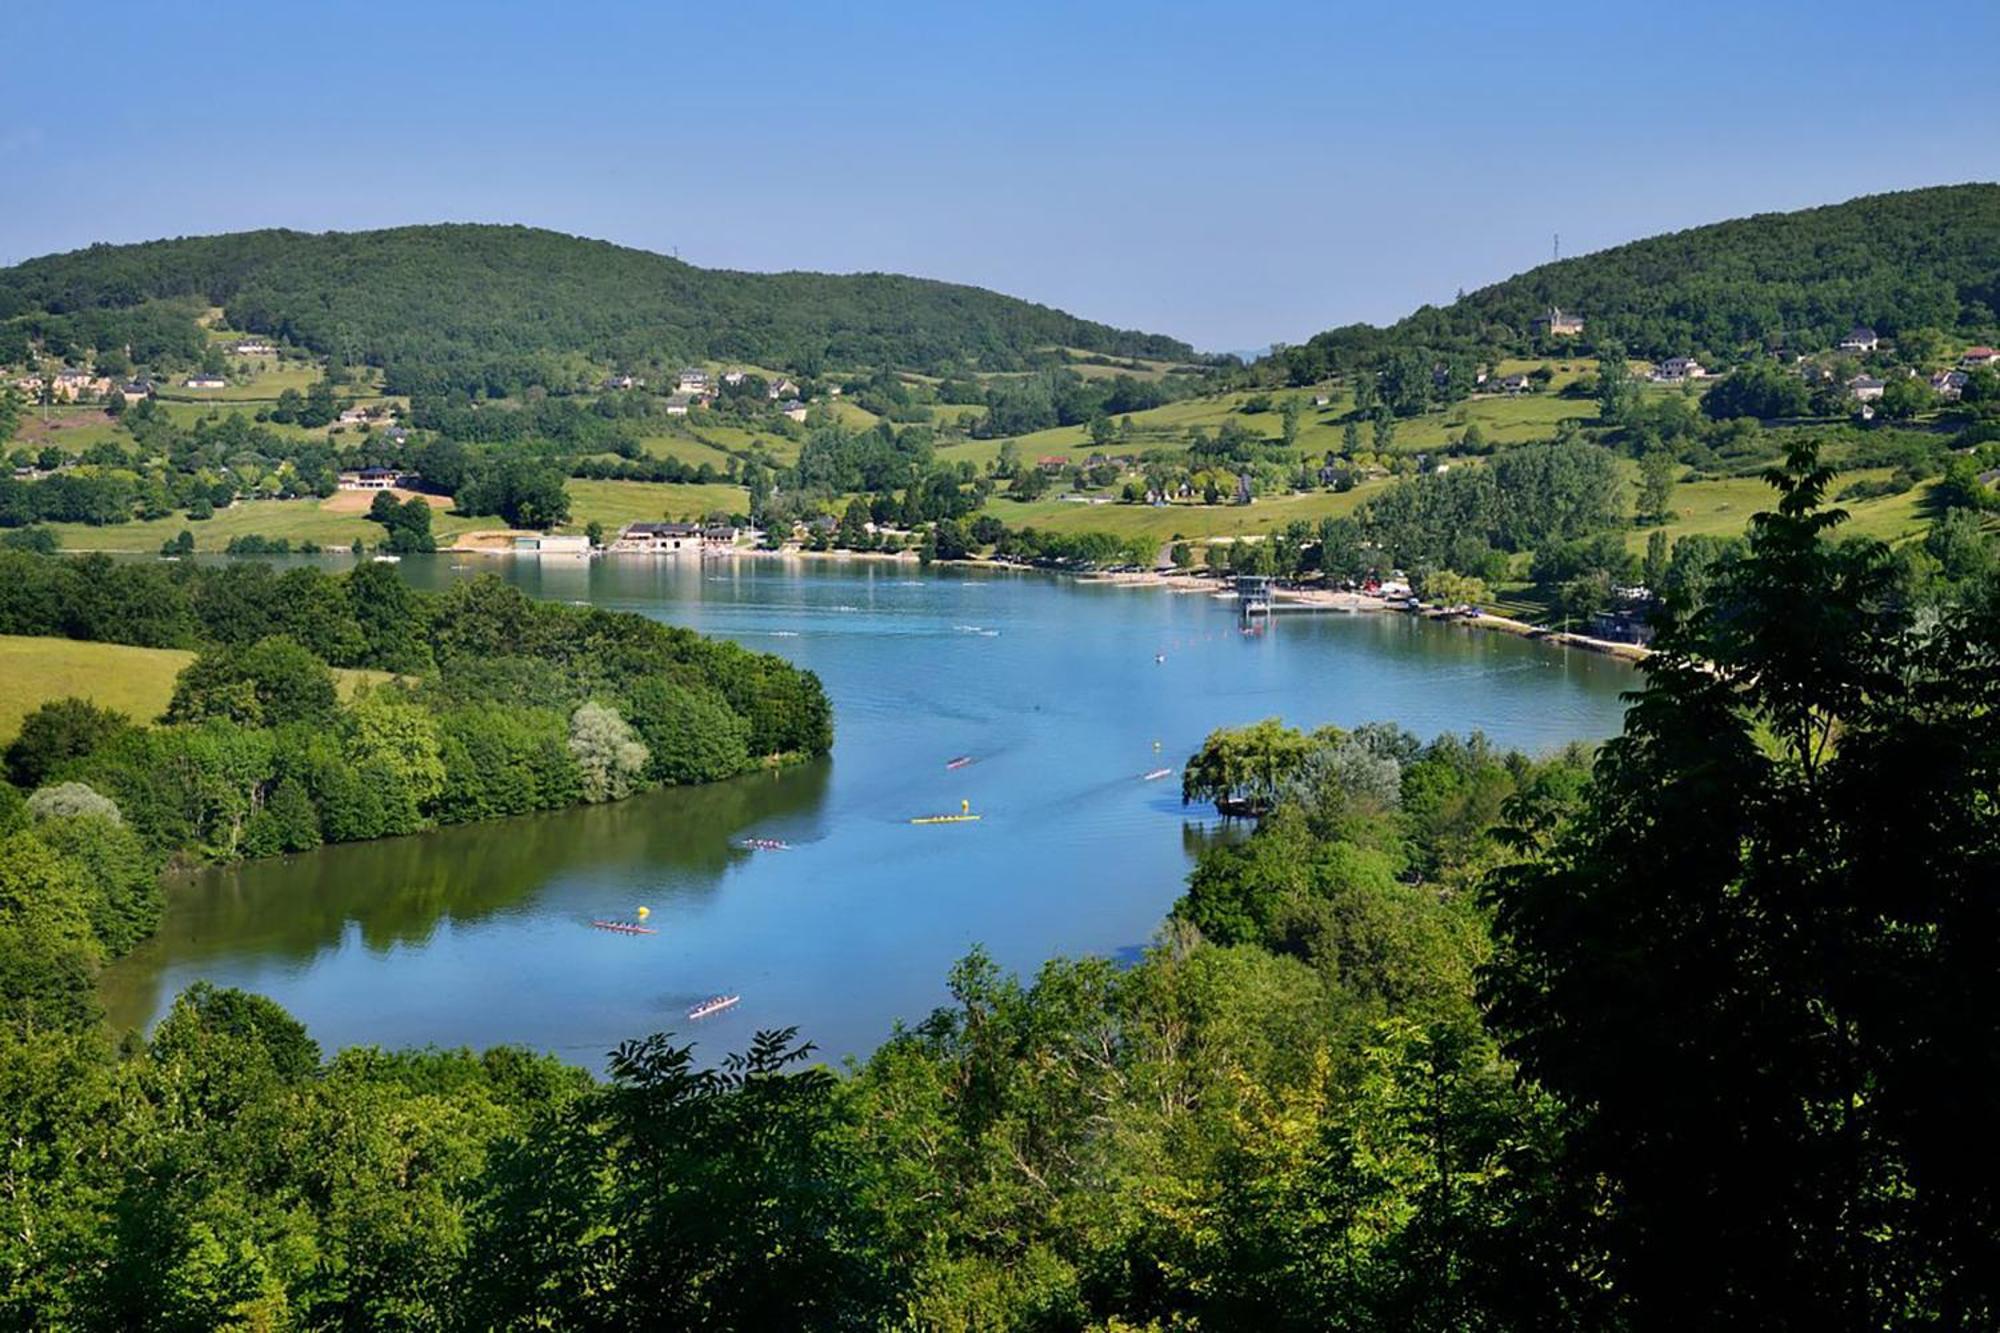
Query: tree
{"points": [[1657, 472], [56, 733], [73, 800], [1290, 415], [1452, 589], [608, 753], [267, 683], [1615, 389], [1761, 1035], [395, 740], [1242, 769], [526, 492], [1904, 396], [1657, 562], [1760, 389]]}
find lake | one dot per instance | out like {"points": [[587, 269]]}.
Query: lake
{"points": [[480, 934]]}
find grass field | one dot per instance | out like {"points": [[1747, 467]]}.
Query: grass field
{"points": [[1722, 508], [616, 503], [324, 522], [690, 451], [336, 522], [138, 682], [1194, 522]]}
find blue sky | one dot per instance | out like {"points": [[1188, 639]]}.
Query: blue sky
{"points": [[1233, 175]]}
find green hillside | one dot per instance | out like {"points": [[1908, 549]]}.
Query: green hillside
{"points": [[499, 307], [1919, 259]]}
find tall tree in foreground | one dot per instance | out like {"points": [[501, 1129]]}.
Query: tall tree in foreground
{"points": [[1757, 969]]}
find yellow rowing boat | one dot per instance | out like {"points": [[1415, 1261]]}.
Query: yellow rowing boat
{"points": [[964, 816]]}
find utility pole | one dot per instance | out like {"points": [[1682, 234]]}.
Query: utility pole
{"points": [[1558, 248]]}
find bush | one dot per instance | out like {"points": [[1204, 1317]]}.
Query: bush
{"points": [[74, 800]]}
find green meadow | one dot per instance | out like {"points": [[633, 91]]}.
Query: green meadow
{"points": [[138, 682]]}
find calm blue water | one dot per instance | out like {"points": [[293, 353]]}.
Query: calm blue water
{"points": [[478, 935]]}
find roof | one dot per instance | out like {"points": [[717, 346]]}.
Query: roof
{"points": [[662, 529], [1861, 331], [1865, 382]]}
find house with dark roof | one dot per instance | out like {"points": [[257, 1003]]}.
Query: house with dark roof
{"points": [[1860, 338]]}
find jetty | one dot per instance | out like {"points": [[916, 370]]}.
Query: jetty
{"points": [[714, 1004]]}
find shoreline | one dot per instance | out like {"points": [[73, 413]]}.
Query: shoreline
{"points": [[486, 543], [1356, 602]]}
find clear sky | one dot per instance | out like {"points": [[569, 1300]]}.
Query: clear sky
{"points": [[1231, 174]]}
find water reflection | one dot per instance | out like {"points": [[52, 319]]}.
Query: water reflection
{"points": [[396, 892]]}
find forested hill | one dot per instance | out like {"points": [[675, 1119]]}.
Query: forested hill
{"points": [[451, 303], [1917, 259]]}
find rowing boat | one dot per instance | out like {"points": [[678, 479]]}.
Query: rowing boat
{"points": [[946, 819], [1157, 774], [714, 1004], [959, 761], [625, 927]]}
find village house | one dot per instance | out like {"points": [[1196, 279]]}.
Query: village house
{"points": [[1948, 384], [204, 380], [615, 382], [781, 389], [354, 416], [794, 410], [1677, 369], [693, 380], [1322, 400], [1513, 384], [552, 543], [1625, 624], [1557, 324], [678, 404], [1864, 388], [1860, 338], [732, 377], [1052, 462], [134, 390], [253, 349], [1976, 357], [66, 386], [659, 538], [374, 479]]}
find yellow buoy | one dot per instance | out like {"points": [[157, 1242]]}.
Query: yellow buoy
{"points": [[645, 912]]}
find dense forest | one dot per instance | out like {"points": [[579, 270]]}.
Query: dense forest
{"points": [[1894, 262], [498, 704], [1694, 1032], [496, 309]]}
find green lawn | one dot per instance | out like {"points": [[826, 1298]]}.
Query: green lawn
{"points": [[295, 520], [138, 682], [690, 451], [616, 503], [267, 379], [1722, 508], [1191, 521]]}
